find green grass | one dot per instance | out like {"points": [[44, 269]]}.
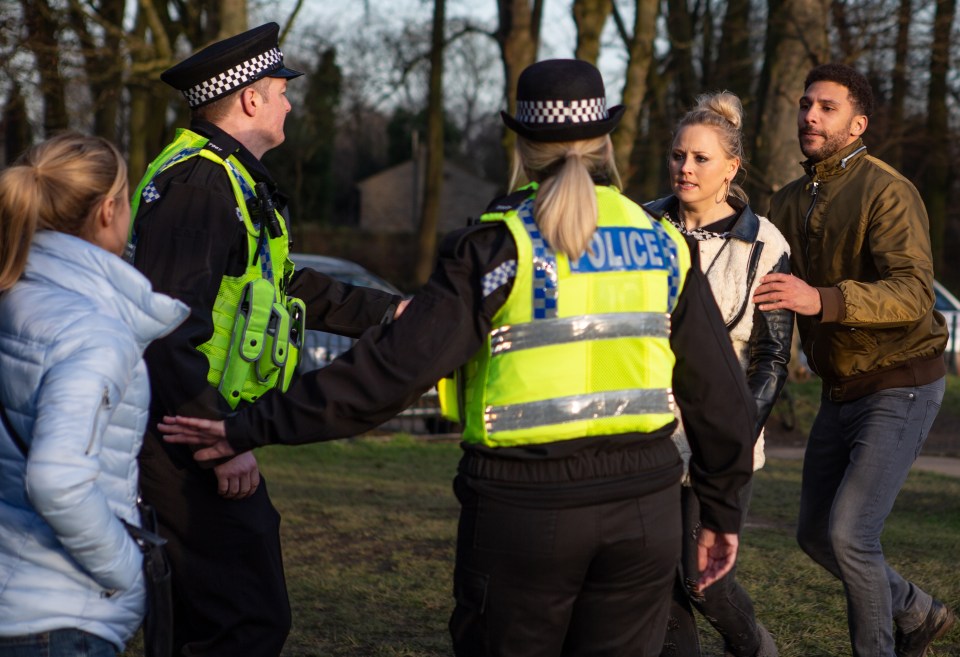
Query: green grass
{"points": [[368, 534], [369, 530]]}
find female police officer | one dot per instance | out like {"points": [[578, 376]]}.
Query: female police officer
{"points": [[571, 317]]}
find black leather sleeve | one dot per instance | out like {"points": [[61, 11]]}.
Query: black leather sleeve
{"points": [[769, 353]]}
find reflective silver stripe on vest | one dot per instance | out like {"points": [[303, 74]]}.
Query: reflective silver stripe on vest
{"points": [[576, 329], [580, 407]]}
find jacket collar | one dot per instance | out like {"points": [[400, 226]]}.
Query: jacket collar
{"points": [[254, 167], [837, 163], [71, 263], [215, 133], [746, 227]]}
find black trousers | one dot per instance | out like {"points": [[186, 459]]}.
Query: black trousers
{"points": [[229, 592], [726, 605], [591, 580]]}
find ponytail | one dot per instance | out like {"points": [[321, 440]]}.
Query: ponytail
{"points": [[566, 205], [19, 216]]}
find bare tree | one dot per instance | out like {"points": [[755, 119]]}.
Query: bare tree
{"points": [[734, 69], [433, 185], [590, 17], [936, 181], [518, 35], [796, 40], [104, 60], [16, 128], [681, 29], [233, 18], [639, 48], [898, 96], [43, 35]]}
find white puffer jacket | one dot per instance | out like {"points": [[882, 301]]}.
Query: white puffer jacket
{"points": [[75, 388]]}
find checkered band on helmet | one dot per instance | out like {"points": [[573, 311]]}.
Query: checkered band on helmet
{"points": [[236, 77], [562, 111]]}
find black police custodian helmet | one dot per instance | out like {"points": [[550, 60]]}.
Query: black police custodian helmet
{"points": [[562, 100], [225, 66]]}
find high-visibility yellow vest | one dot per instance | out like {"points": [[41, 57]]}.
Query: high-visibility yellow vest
{"points": [[580, 348], [257, 328]]}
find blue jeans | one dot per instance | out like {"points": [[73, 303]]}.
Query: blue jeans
{"points": [[858, 456], [58, 643]]}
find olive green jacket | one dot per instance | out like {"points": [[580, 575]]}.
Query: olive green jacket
{"points": [[858, 232]]}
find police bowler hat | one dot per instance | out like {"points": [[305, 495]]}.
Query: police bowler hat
{"points": [[562, 100], [225, 66]]}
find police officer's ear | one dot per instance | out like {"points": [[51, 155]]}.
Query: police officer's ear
{"points": [[250, 100]]}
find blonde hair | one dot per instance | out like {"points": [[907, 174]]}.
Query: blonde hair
{"points": [[723, 112], [566, 205], [59, 185]]}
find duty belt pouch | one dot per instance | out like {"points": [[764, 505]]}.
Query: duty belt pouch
{"points": [[276, 343], [248, 337], [158, 622], [295, 311]]}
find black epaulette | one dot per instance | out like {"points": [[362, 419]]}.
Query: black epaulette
{"points": [[223, 145], [509, 202]]}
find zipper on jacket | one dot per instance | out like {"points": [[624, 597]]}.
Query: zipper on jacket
{"points": [[814, 192], [843, 162], [104, 405]]}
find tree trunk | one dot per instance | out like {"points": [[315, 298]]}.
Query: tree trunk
{"points": [[680, 27], [233, 18], [16, 126], [898, 96], [796, 41], [433, 185], [838, 10], [640, 52], [650, 154], [152, 54], [518, 35], [735, 61], [936, 181], [104, 64], [590, 17], [43, 30]]}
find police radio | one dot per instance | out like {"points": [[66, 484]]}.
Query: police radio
{"points": [[263, 210]]}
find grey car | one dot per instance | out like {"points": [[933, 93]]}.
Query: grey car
{"points": [[949, 307], [321, 347]]}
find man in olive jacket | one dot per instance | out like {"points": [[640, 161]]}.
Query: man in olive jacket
{"points": [[863, 294]]}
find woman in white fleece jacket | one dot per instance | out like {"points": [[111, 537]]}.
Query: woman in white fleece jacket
{"points": [[737, 248], [74, 321]]}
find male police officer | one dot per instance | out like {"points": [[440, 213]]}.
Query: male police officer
{"points": [[210, 229]]}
